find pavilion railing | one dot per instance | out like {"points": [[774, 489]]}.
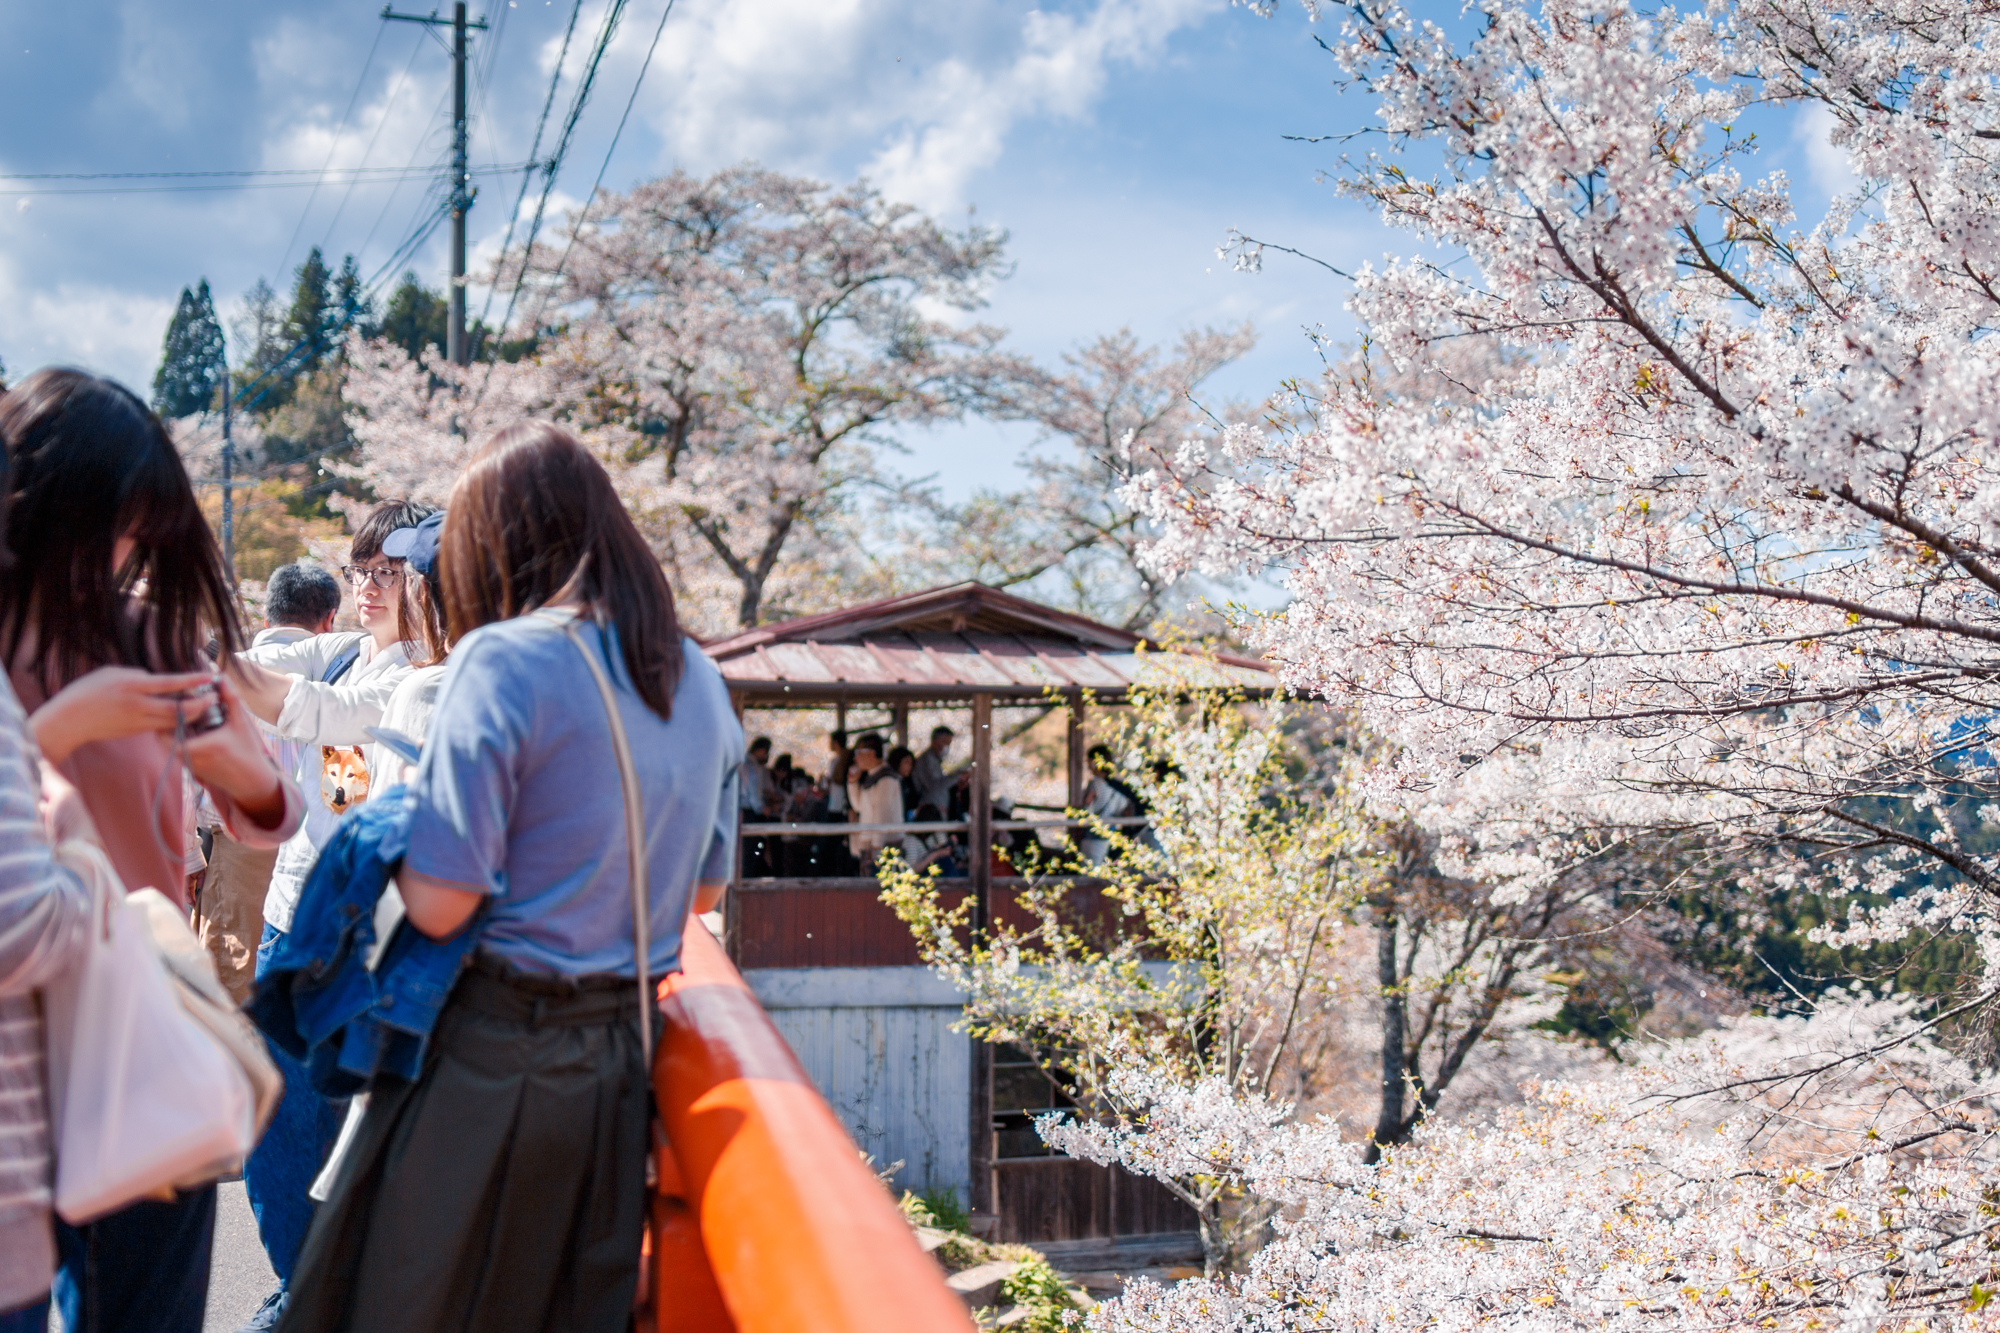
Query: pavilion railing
{"points": [[767, 830]]}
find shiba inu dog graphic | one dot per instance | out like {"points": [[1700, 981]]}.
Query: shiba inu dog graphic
{"points": [[343, 777]]}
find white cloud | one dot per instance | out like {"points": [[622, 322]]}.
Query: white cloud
{"points": [[159, 63], [1826, 162], [922, 97], [90, 326]]}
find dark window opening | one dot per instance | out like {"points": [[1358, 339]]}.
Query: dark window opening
{"points": [[1021, 1091]]}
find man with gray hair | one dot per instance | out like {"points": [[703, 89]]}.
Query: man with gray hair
{"points": [[300, 600]]}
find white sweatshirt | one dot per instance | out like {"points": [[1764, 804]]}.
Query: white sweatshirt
{"points": [[317, 714]]}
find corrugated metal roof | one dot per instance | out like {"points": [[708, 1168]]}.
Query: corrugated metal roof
{"points": [[953, 643]]}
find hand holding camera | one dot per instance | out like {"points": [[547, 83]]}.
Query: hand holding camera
{"points": [[201, 708], [225, 751], [109, 703]]}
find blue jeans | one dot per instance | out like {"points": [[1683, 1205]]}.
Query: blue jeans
{"points": [[143, 1269], [290, 1154], [30, 1318]]}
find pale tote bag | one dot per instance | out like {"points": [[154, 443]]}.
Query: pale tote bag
{"points": [[143, 1098]]}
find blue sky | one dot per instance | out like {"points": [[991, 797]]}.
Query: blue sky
{"points": [[1116, 140]]}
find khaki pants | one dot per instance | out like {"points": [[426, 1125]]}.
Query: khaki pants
{"points": [[229, 912]]}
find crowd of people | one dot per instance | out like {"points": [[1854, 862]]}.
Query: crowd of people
{"points": [[871, 783], [518, 675]]}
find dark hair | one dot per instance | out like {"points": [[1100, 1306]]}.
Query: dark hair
{"points": [[839, 738], [534, 520], [935, 816], [943, 731], [89, 464], [412, 605], [898, 755], [301, 594], [782, 762], [761, 743], [382, 520], [870, 741]]}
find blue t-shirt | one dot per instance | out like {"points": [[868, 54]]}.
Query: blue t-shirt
{"points": [[518, 796]]}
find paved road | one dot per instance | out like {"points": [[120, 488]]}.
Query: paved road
{"points": [[241, 1276]]}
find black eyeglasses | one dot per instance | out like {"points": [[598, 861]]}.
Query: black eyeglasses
{"points": [[385, 576]]}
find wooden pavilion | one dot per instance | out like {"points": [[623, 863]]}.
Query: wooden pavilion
{"points": [[840, 974]]}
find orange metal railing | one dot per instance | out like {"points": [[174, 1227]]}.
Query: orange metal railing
{"points": [[766, 1219]]}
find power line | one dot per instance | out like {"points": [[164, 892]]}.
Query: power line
{"points": [[556, 276], [388, 203], [401, 177], [553, 165], [332, 147], [582, 95], [175, 175], [375, 138]]}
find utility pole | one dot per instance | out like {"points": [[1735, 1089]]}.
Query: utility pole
{"points": [[228, 483], [456, 351]]}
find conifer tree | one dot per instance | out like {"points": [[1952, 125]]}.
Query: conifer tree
{"points": [[414, 316], [191, 364], [312, 304]]}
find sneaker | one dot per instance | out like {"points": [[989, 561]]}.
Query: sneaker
{"points": [[267, 1314]]}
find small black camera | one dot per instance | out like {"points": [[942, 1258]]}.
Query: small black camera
{"points": [[201, 709]]}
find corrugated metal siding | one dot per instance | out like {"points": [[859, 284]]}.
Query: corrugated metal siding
{"points": [[898, 1079], [877, 1043]]}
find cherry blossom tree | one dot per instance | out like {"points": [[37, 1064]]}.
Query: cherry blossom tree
{"points": [[1636, 468], [1840, 1180], [753, 337], [417, 420], [1071, 523]]}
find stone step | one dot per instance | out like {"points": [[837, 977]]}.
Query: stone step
{"points": [[981, 1286]]}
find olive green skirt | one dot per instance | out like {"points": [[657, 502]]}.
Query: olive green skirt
{"points": [[502, 1192]]}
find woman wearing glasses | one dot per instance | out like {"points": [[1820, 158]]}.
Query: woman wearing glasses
{"points": [[322, 693]]}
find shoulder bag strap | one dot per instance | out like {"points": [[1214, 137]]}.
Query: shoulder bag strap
{"points": [[339, 665], [635, 838]]}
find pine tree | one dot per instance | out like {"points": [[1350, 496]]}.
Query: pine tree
{"points": [[347, 291], [260, 336], [415, 316], [191, 363], [312, 301]]}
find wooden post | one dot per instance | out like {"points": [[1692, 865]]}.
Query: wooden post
{"points": [[979, 852], [902, 716], [732, 897], [840, 716], [1079, 770], [979, 813]]}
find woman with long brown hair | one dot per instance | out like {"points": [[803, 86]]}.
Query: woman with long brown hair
{"points": [[116, 575], [503, 1190]]}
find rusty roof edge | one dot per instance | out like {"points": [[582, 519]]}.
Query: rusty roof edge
{"points": [[892, 611]]}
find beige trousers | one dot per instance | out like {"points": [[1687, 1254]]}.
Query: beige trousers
{"points": [[229, 911]]}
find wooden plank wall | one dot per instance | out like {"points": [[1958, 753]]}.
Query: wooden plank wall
{"points": [[843, 922], [1060, 1198]]}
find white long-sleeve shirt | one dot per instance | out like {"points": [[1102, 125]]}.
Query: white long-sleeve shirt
{"points": [[409, 711], [318, 714], [876, 802]]}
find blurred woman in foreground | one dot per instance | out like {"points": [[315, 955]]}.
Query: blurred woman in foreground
{"points": [[115, 576]]}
